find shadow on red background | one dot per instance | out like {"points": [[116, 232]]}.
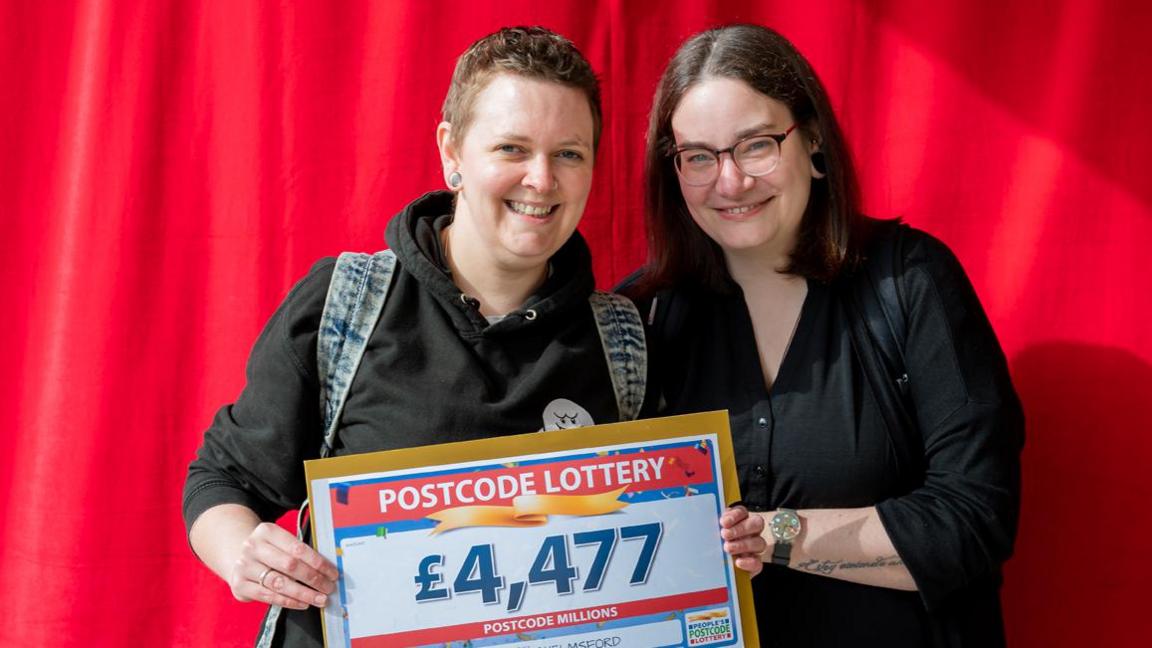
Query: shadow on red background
{"points": [[1082, 573], [1039, 61]]}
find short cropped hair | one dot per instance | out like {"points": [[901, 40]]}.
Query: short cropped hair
{"points": [[678, 250], [530, 52]]}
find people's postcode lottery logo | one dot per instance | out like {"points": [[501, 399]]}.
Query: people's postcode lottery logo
{"points": [[709, 626]]}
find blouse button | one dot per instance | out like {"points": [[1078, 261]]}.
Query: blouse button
{"points": [[762, 422], [759, 470]]}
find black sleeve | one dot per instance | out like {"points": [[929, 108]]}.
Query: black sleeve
{"points": [[254, 451], [960, 525]]}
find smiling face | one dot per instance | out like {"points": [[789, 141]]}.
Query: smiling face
{"points": [[526, 168], [745, 215]]}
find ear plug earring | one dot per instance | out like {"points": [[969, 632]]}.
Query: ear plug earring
{"points": [[819, 163]]}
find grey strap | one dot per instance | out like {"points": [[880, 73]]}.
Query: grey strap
{"points": [[355, 299], [625, 350]]}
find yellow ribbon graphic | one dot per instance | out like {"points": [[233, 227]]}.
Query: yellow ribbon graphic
{"points": [[707, 616], [527, 510]]}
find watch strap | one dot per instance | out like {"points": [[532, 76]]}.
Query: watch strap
{"points": [[781, 553]]}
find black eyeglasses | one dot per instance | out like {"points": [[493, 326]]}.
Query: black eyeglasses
{"points": [[755, 155]]}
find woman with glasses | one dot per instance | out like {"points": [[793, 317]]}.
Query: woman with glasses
{"points": [[873, 533]]}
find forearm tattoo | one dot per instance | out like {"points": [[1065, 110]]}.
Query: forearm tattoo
{"points": [[826, 567]]}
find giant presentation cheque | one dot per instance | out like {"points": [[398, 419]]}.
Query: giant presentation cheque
{"points": [[598, 537]]}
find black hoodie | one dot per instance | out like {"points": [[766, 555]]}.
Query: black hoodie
{"points": [[434, 371]]}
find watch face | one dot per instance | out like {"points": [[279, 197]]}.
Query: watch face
{"points": [[785, 526]]}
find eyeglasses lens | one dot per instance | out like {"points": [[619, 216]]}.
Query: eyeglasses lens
{"points": [[755, 156]]}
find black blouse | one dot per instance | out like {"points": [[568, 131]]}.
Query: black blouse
{"points": [[817, 439]]}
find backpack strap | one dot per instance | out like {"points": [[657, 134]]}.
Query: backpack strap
{"points": [[878, 325], [625, 350], [355, 299], [882, 306], [354, 302]]}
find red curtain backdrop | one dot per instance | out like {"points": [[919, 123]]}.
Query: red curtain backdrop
{"points": [[168, 169]]}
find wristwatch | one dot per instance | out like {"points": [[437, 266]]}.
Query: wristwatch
{"points": [[785, 526]]}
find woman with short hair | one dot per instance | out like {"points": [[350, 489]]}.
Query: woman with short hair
{"points": [[488, 317]]}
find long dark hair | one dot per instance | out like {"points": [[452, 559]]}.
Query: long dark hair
{"points": [[679, 252]]}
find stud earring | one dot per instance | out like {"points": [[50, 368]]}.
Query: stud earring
{"points": [[455, 180]]}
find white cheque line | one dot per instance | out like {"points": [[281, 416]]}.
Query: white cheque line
{"points": [[664, 633]]}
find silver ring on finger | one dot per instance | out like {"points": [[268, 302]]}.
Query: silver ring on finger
{"points": [[264, 575]]}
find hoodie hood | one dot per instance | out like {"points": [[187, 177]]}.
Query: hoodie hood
{"points": [[414, 235]]}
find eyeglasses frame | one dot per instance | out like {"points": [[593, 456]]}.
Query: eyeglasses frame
{"points": [[731, 151]]}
